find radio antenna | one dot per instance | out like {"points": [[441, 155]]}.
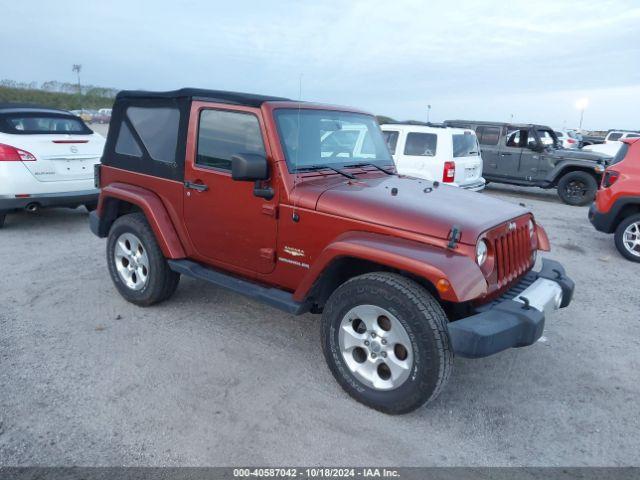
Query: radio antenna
{"points": [[295, 217]]}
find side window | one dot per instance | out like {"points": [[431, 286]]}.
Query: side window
{"points": [[126, 144], [158, 129], [391, 138], [518, 138], [421, 144], [222, 134], [488, 135], [614, 136]]}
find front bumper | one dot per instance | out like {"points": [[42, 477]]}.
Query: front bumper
{"points": [[43, 200], [516, 319]]}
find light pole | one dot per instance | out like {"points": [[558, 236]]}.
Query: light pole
{"points": [[428, 112], [76, 68], [581, 105]]}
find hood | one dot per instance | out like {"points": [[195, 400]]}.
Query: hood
{"points": [[417, 206], [569, 154]]}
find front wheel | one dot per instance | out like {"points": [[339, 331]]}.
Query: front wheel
{"points": [[137, 266], [577, 188], [627, 238], [386, 342]]}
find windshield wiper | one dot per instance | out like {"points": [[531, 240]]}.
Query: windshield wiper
{"points": [[311, 168], [362, 164]]}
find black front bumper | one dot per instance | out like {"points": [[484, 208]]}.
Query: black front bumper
{"points": [[63, 199], [506, 323]]}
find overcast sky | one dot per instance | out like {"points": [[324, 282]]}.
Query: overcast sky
{"points": [[484, 60]]}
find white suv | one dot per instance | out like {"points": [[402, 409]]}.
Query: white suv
{"points": [[47, 159], [446, 154]]}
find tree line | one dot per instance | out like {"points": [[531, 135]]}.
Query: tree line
{"points": [[63, 95]]}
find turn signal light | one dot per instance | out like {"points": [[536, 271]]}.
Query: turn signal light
{"points": [[13, 154], [443, 285], [449, 172]]}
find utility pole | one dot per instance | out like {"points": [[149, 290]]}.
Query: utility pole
{"points": [[428, 112], [76, 68]]}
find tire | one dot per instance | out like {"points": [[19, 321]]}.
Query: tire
{"points": [[91, 206], [428, 356], [2, 219], [627, 228], [577, 188], [137, 266]]}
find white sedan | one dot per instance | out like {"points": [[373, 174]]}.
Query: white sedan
{"points": [[47, 159]]}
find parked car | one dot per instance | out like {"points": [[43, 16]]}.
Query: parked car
{"points": [[47, 158], [591, 138], [448, 155], [530, 155], [244, 191], [617, 206], [610, 148], [569, 138], [100, 118], [619, 135]]}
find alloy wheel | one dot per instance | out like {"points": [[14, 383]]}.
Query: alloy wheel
{"points": [[375, 347], [631, 238], [132, 261]]}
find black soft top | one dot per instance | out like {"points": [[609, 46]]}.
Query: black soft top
{"points": [[235, 98]]}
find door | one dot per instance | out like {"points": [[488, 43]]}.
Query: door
{"points": [[511, 149], [489, 138], [227, 224], [530, 159], [418, 157]]}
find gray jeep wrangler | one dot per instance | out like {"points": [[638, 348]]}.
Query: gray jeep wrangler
{"points": [[531, 155]]}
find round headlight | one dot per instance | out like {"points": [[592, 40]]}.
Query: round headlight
{"points": [[532, 228], [481, 252]]}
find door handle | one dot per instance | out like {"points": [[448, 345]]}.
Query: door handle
{"points": [[201, 187], [504, 154]]}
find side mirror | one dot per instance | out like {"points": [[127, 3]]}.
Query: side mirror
{"points": [[249, 167]]}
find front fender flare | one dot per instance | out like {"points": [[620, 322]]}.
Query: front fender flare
{"points": [[153, 209], [425, 261]]}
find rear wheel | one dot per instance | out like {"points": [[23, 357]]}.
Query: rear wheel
{"points": [[627, 238], [577, 188], [386, 342], [136, 264]]}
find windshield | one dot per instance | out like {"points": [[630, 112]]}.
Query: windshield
{"points": [[42, 123], [325, 137], [465, 145]]}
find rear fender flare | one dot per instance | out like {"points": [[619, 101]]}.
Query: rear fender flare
{"points": [[425, 261], [153, 209]]}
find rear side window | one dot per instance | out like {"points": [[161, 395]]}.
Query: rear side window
{"points": [[391, 138], [465, 145], [421, 144], [222, 134], [158, 130], [42, 123], [488, 135], [633, 135], [622, 152], [126, 144]]}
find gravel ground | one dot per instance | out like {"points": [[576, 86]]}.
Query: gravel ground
{"points": [[211, 378]]}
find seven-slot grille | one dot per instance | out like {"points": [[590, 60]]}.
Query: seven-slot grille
{"points": [[513, 253]]}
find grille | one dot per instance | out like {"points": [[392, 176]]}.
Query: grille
{"points": [[513, 254]]}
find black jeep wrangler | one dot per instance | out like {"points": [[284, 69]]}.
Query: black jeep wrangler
{"points": [[531, 155]]}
